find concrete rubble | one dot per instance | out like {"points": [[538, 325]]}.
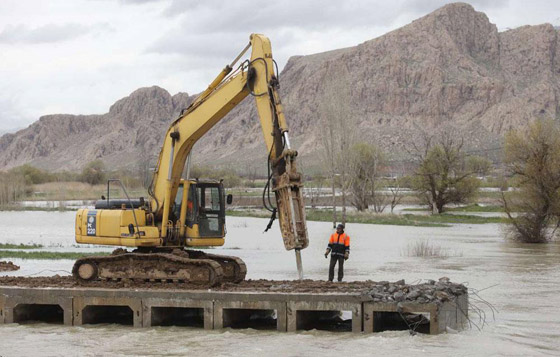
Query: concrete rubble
{"points": [[429, 292]]}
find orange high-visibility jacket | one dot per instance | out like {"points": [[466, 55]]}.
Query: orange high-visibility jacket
{"points": [[339, 244]]}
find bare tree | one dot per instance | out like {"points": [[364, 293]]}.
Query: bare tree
{"points": [[397, 183], [396, 189], [533, 160], [379, 199], [338, 131], [145, 166], [364, 166], [12, 187], [446, 173], [316, 190], [251, 175], [365, 177]]}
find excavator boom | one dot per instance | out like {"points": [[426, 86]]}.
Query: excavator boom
{"points": [[257, 78]]}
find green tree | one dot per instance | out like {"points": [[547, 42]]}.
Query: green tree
{"points": [[446, 173], [33, 175], [93, 173], [533, 161]]}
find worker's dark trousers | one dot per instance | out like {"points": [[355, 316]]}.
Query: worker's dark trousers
{"points": [[334, 259]]}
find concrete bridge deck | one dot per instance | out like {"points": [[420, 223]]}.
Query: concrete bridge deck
{"points": [[283, 311]]}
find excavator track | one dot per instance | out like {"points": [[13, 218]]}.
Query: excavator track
{"points": [[149, 266], [234, 268]]}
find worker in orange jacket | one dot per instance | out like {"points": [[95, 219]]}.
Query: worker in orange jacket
{"points": [[339, 247]]}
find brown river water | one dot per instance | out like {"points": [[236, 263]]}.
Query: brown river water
{"points": [[520, 281]]}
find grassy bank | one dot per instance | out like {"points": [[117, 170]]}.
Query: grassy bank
{"points": [[456, 218], [470, 208], [20, 246], [371, 218], [45, 255], [477, 208], [441, 220]]}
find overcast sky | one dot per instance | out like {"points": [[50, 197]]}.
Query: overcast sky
{"points": [[80, 56]]}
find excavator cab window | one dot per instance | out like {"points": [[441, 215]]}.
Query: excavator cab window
{"points": [[192, 210], [211, 209], [205, 207], [176, 211]]}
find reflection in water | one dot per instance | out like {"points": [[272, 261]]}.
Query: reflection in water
{"points": [[520, 280]]}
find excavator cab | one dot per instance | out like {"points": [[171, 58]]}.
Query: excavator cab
{"points": [[205, 211]]}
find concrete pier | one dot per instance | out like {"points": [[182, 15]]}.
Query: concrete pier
{"points": [[221, 309]]}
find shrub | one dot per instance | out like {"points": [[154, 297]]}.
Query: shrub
{"points": [[33, 175], [93, 173], [533, 160], [13, 187]]}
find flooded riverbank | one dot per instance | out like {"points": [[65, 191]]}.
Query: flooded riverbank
{"points": [[520, 281]]}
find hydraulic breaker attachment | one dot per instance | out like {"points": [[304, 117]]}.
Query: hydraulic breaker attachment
{"points": [[288, 189]]}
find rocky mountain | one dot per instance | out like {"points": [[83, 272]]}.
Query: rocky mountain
{"points": [[128, 133], [450, 68]]}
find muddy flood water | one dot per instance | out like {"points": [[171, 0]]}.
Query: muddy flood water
{"points": [[520, 281]]}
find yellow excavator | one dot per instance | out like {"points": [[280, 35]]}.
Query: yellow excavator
{"points": [[186, 213]]}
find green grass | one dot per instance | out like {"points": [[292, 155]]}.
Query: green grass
{"points": [[439, 220], [477, 208], [20, 246], [456, 218], [470, 208], [372, 218], [495, 195], [46, 255], [419, 209]]}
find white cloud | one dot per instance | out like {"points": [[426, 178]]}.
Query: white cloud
{"points": [[80, 56], [49, 33]]}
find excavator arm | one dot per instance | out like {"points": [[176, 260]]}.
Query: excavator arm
{"points": [[254, 77]]}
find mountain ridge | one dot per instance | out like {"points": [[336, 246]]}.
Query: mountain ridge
{"points": [[450, 68]]}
